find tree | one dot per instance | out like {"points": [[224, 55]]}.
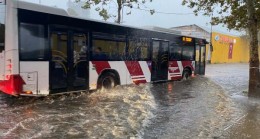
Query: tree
{"points": [[236, 14], [104, 10]]}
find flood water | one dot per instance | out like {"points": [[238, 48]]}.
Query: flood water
{"points": [[118, 113], [146, 111], [209, 106], [233, 78]]}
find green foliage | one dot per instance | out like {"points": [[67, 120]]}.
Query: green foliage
{"points": [[233, 13], [103, 6], [236, 14]]}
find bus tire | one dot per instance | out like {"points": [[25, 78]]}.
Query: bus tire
{"points": [[186, 74], [107, 81]]}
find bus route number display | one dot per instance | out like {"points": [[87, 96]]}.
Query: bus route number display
{"points": [[186, 39]]}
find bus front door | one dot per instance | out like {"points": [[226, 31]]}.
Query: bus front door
{"points": [[160, 58], [68, 65], [200, 59]]}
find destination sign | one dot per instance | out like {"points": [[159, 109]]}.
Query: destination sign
{"points": [[186, 39]]}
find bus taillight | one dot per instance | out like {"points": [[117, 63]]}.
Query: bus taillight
{"points": [[27, 92]]}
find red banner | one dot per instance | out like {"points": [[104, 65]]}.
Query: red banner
{"points": [[230, 51]]}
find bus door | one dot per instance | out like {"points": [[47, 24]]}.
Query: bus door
{"points": [[160, 58], [200, 59], [68, 66]]}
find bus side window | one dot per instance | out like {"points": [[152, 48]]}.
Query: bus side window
{"points": [[108, 50], [138, 49], [188, 53], [175, 51], [32, 42]]}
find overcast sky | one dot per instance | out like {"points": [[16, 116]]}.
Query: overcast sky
{"points": [[141, 18]]}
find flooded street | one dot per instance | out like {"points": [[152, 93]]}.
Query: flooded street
{"points": [[246, 117], [210, 106], [231, 77], [196, 108], [119, 113]]}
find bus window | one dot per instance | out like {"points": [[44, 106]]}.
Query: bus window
{"points": [[175, 51], [32, 42], [108, 50], [80, 47], [187, 52], [138, 49], [2, 27]]}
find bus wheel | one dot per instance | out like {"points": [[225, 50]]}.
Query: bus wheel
{"points": [[186, 74], [107, 81]]}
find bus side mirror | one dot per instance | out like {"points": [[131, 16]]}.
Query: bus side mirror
{"points": [[211, 47]]}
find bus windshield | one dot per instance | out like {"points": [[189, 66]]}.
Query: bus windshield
{"points": [[2, 27]]}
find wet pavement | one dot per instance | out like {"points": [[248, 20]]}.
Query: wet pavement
{"points": [[197, 108], [214, 106], [210, 106], [246, 117]]}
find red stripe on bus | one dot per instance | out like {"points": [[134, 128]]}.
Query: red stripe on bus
{"points": [[176, 77], [138, 77], [137, 82], [174, 67], [100, 66], [134, 68]]}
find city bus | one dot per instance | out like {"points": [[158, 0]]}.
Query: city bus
{"points": [[43, 51]]}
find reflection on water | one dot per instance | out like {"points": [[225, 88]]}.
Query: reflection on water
{"points": [[171, 93], [119, 113]]}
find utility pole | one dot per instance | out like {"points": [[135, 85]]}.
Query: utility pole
{"points": [[210, 39]]}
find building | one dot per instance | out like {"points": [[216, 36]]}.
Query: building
{"points": [[225, 48], [160, 29], [194, 31]]}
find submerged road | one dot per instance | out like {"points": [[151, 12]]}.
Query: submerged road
{"points": [[210, 106]]}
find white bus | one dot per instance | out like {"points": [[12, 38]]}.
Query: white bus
{"points": [[45, 51]]}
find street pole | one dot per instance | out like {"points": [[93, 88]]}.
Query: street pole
{"points": [[123, 2], [211, 35]]}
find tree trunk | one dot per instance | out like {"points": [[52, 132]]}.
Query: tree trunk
{"points": [[254, 75], [119, 4]]}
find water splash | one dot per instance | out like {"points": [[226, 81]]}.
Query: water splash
{"points": [[118, 113]]}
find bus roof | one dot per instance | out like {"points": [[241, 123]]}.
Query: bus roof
{"points": [[62, 12], [41, 8]]}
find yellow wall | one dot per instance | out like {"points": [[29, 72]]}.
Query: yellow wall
{"points": [[221, 43]]}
